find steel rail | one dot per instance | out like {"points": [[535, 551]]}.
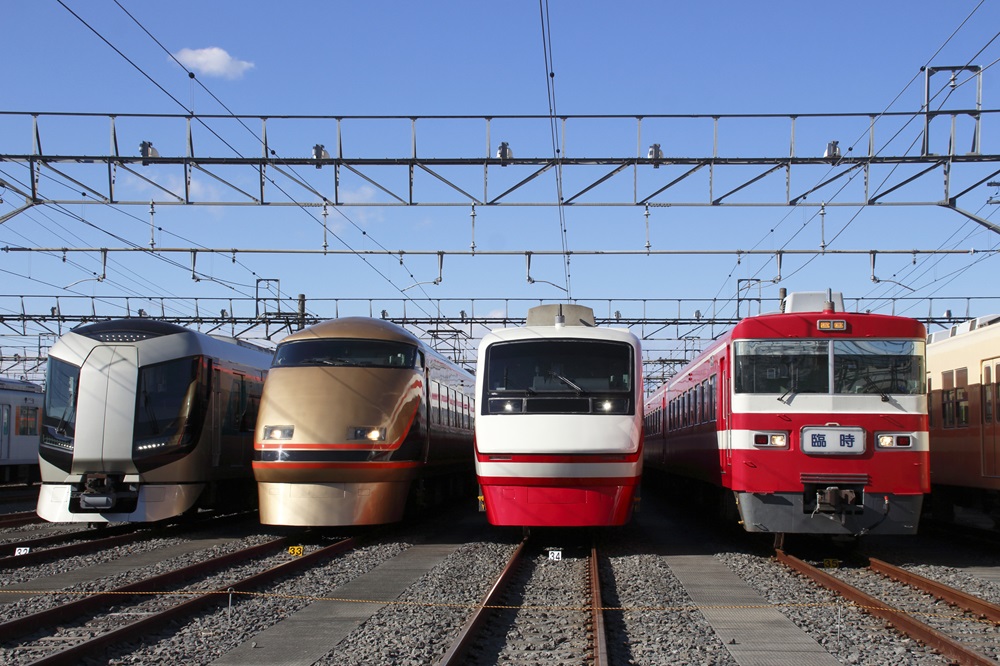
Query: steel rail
{"points": [[20, 518], [597, 612], [74, 654], [948, 594], [458, 652], [88, 540], [108, 536], [86, 604], [909, 626]]}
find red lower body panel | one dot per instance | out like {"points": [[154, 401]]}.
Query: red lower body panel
{"points": [[558, 502]]}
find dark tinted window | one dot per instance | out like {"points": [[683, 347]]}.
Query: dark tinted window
{"points": [[61, 383], [559, 366], [349, 353]]}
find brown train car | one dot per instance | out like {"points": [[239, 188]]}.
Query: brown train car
{"points": [[963, 380], [358, 420]]}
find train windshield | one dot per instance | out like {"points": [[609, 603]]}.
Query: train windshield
{"points": [[59, 415], [559, 377], [878, 367], [347, 353], [170, 405]]}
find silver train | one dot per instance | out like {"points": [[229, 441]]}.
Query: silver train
{"points": [[144, 420], [20, 409], [358, 418]]}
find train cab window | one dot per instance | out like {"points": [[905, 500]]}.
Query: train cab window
{"points": [[781, 366], [879, 366], [345, 353], [873, 367], [558, 376], [171, 404], [59, 414]]}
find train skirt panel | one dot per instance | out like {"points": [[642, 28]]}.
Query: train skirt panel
{"points": [[64, 502]]}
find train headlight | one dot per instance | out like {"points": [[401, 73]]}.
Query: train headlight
{"points": [[506, 406], [279, 432], [611, 406], [367, 433]]}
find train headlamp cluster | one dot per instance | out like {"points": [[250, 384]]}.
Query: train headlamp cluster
{"points": [[536, 405], [278, 432], [891, 441], [152, 444], [611, 406], [832, 324], [368, 433], [775, 440]]}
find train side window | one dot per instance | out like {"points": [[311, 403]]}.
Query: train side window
{"points": [[435, 403], [948, 399], [962, 396], [930, 404], [453, 407], [26, 420], [714, 397], [987, 394]]}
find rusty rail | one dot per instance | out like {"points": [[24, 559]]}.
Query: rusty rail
{"points": [[597, 612], [950, 595], [74, 654], [459, 650], [908, 625]]}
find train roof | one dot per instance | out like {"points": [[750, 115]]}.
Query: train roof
{"points": [[128, 330], [560, 332], [11, 384], [964, 327], [138, 329], [362, 328], [806, 325]]}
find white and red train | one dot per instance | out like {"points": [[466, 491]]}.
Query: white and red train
{"points": [[811, 420], [144, 420], [559, 428], [963, 381], [358, 418]]}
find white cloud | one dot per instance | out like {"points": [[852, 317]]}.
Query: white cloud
{"points": [[213, 61]]}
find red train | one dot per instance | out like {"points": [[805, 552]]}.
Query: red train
{"points": [[811, 420], [963, 381]]}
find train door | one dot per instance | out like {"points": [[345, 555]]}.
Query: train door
{"points": [[5, 432], [990, 429], [724, 422], [237, 437], [217, 413]]}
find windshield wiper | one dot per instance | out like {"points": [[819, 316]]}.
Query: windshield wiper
{"points": [[567, 382], [878, 389]]}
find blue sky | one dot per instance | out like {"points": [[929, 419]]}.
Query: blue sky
{"points": [[487, 59]]}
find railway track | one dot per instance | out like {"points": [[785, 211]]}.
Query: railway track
{"points": [[510, 626], [19, 519], [92, 623], [29, 551], [970, 635]]}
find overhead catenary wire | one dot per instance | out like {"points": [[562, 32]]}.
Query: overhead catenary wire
{"points": [[550, 86], [192, 76], [852, 176]]}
